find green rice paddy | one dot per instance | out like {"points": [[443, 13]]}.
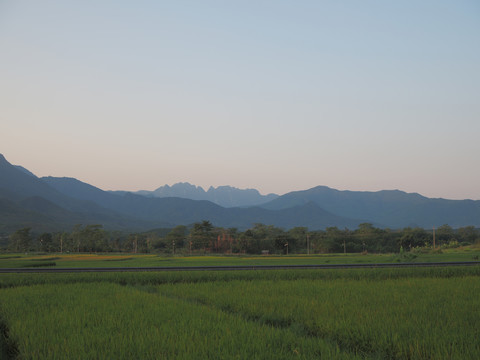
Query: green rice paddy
{"points": [[414, 313]]}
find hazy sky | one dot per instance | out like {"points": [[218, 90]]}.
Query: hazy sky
{"points": [[274, 95]]}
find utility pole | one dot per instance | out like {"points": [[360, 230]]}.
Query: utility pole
{"points": [[434, 238], [287, 247]]}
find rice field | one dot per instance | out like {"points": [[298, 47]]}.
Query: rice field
{"points": [[63, 260], [424, 313]]}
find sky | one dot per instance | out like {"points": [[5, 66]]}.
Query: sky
{"points": [[273, 95]]}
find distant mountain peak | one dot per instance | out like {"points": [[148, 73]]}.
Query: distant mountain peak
{"points": [[179, 185], [225, 195]]}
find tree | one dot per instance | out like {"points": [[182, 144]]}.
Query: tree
{"points": [[94, 237], [21, 240], [46, 242], [267, 237], [201, 235], [75, 238], [445, 234], [336, 239], [138, 243], [244, 240], [298, 238], [175, 239], [414, 237], [88, 238], [367, 237], [468, 234]]}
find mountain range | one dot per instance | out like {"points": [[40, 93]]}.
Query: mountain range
{"points": [[58, 203], [225, 196]]}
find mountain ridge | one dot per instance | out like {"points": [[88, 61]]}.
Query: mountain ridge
{"points": [[392, 208], [61, 202], [224, 195], [56, 203]]}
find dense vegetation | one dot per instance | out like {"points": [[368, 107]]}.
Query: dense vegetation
{"points": [[425, 313], [203, 237]]}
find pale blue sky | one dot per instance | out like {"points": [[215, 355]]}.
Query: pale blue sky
{"points": [[273, 95]]}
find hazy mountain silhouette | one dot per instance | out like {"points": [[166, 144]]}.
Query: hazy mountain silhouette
{"points": [[18, 183], [225, 196], [26, 200], [57, 203], [54, 204], [392, 208], [173, 210]]}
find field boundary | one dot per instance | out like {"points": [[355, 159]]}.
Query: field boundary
{"points": [[238, 267]]}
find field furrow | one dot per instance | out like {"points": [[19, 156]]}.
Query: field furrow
{"points": [[105, 321], [419, 318]]}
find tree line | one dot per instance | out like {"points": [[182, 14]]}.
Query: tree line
{"points": [[203, 237]]}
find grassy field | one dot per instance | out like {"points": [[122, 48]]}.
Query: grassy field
{"points": [[420, 313], [470, 253]]}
